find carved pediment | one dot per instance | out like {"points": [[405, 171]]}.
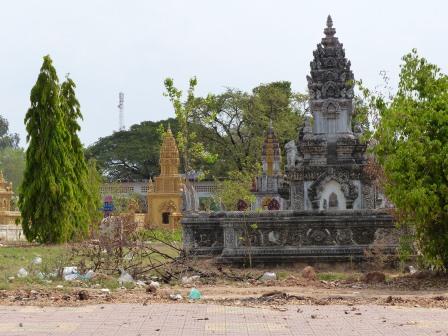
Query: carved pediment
{"points": [[349, 189]]}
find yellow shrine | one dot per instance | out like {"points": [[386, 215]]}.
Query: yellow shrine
{"points": [[165, 193], [8, 228]]}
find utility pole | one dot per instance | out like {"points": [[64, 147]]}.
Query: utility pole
{"points": [[120, 111]]}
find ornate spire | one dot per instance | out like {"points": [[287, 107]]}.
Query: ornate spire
{"points": [[331, 76], [271, 154], [329, 21], [329, 31], [169, 155], [330, 85], [150, 185]]}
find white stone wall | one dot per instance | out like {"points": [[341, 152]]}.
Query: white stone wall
{"points": [[11, 233]]}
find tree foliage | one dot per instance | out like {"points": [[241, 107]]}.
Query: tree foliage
{"points": [[412, 145], [93, 197], [7, 139], [216, 134], [12, 163], [234, 122], [237, 187], [49, 198], [130, 154], [71, 110], [192, 149]]}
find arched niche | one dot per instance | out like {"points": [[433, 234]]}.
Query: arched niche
{"points": [[332, 197]]}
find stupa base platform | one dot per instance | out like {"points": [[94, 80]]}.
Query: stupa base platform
{"points": [[289, 236]]}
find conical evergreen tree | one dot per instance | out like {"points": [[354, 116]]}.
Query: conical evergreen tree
{"points": [[48, 192], [72, 112]]}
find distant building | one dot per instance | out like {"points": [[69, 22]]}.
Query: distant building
{"points": [[205, 190]]}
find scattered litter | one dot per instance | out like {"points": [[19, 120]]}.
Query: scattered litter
{"points": [[140, 283], [153, 287], [11, 278], [155, 284], [175, 297], [186, 280], [22, 273], [70, 273], [128, 256], [195, 294], [37, 261], [52, 275], [412, 269], [88, 276], [105, 290], [59, 286], [125, 277], [268, 276]]}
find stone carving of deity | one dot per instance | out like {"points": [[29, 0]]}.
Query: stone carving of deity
{"points": [[291, 154]]}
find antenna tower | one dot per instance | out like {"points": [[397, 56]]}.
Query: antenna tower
{"points": [[120, 111]]}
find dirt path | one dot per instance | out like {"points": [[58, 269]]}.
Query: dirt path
{"points": [[251, 296]]}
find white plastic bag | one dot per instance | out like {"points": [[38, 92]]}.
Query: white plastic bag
{"points": [[70, 273], [37, 261], [125, 277], [22, 273], [268, 276]]}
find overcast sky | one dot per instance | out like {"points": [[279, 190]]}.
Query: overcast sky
{"points": [[110, 46]]}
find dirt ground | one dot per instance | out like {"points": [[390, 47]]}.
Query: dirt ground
{"points": [[417, 290], [345, 284]]}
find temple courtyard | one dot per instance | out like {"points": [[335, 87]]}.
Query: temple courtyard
{"points": [[210, 319]]}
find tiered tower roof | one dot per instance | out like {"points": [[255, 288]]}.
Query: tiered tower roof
{"points": [[169, 180], [331, 76], [330, 87], [271, 153]]}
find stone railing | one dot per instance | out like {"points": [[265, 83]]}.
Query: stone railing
{"points": [[278, 236]]}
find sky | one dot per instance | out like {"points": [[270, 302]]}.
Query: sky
{"points": [[108, 46]]}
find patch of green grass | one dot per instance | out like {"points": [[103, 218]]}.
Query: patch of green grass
{"points": [[332, 276], [281, 275], [14, 258], [168, 236], [108, 283]]}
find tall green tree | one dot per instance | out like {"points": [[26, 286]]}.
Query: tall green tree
{"points": [[71, 110], [93, 197], [412, 146], [47, 198]]}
